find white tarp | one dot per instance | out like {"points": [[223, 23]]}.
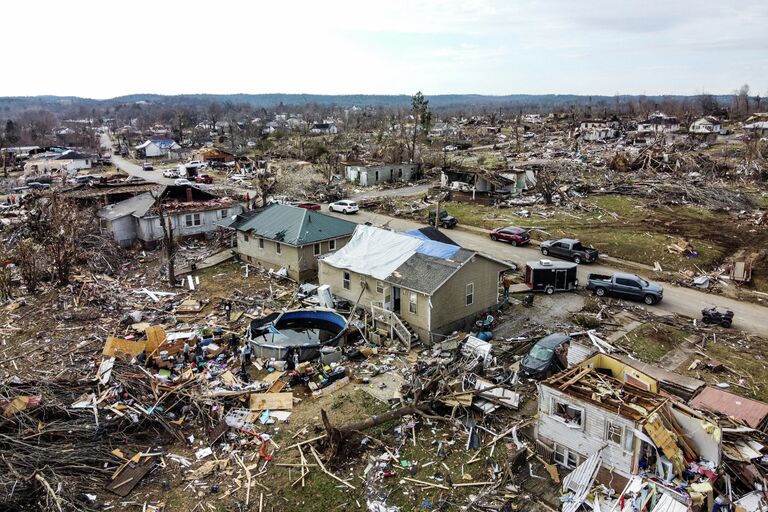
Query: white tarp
{"points": [[375, 252]]}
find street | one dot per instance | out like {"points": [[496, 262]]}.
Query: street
{"points": [[689, 302], [132, 169]]}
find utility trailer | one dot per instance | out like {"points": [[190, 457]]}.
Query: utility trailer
{"points": [[551, 276]]}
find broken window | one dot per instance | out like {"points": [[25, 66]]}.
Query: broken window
{"points": [[193, 219], [316, 250], [565, 457], [571, 416], [345, 281], [331, 245], [470, 294], [412, 303], [614, 433]]}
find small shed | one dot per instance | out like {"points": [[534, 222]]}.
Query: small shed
{"points": [[551, 276]]}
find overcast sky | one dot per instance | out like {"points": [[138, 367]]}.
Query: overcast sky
{"points": [[101, 49]]}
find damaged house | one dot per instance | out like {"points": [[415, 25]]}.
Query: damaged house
{"points": [[486, 187], [367, 175], [595, 130], [282, 236], [56, 160], [158, 148], [658, 123], [413, 285], [193, 212], [605, 405]]}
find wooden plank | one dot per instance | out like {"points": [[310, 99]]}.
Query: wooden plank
{"points": [[117, 346], [272, 401]]}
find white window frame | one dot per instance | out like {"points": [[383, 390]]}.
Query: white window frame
{"points": [[565, 457], [316, 249], [224, 213], [553, 413], [469, 294], [278, 248], [192, 220], [413, 303], [331, 245], [380, 287], [612, 430], [346, 280]]}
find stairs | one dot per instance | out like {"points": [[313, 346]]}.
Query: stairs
{"points": [[397, 326]]}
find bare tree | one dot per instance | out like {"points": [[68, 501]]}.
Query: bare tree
{"points": [[547, 182], [64, 232], [169, 242], [28, 258], [6, 275]]}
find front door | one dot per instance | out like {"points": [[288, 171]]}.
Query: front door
{"points": [[560, 277], [396, 299]]}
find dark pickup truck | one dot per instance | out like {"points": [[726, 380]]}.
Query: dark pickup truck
{"points": [[569, 249], [626, 286]]}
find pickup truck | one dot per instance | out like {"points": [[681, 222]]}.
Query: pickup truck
{"points": [[569, 249], [626, 286]]}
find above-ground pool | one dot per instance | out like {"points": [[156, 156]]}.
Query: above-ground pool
{"points": [[304, 331]]}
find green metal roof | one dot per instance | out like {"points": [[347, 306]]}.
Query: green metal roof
{"points": [[294, 226]]}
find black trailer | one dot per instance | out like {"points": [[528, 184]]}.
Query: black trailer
{"points": [[551, 276]]}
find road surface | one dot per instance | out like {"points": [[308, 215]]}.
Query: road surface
{"points": [[132, 169], [689, 302]]}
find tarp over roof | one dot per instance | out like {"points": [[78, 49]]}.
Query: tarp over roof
{"points": [[294, 226]]}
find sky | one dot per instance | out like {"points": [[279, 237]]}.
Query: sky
{"points": [[103, 49]]}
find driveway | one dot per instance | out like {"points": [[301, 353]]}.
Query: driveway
{"points": [[689, 302]]}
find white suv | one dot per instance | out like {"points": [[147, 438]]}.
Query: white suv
{"points": [[344, 206]]}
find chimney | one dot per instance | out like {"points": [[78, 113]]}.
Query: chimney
{"points": [[189, 194]]}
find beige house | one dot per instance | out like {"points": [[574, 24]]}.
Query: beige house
{"points": [[433, 286], [281, 236]]}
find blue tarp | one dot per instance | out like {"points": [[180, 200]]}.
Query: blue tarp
{"points": [[430, 247]]}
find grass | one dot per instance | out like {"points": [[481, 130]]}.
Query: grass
{"points": [[651, 342], [638, 233]]}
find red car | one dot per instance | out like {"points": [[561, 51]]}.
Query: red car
{"points": [[511, 234], [308, 206], [203, 178]]}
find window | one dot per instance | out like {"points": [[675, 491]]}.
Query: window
{"points": [[224, 213], [571, 416], [470, 294], [377, 176], [193, 219], [261, 243], [613, 432], [245, 237], [412, 303], [566, 457], [379, 287], [345, 282], [278, 248], [316, 249], [331, 245]]}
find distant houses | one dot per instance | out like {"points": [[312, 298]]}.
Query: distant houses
{"points": [[658, 123], [157, 148]]}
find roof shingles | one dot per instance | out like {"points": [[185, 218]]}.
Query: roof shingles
{"points": [[294, 226]]}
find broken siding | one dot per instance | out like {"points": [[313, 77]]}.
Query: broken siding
{"points": [[590, 437]]}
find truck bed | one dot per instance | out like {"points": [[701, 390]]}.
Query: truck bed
{"points": [[599, 277]]}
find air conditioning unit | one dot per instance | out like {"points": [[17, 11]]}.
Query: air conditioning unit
{"points": [[545, 263]]}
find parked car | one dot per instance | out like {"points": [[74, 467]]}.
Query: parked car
{"points": [[344, 206], [147, 166], [569, 249], [171, 173], [180, 182], [36, 185], [446, 220], [541, 361], [308, 206], [204, 178], [511, 234], [626, 286]]}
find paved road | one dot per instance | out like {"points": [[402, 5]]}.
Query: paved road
{"points": [[132, 169], [689, 302]]}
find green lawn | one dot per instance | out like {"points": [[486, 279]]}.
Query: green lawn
{"points": [[651, 342]]}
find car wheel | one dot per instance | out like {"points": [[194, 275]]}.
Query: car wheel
{"points": [[549, 290], [544, 251], [576, 260], [600, 292], [494, 238], [649, 299], [513, 243], [725, 323]]}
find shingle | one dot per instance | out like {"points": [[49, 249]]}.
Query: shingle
{"points": [[295, 226], [426, 273]]}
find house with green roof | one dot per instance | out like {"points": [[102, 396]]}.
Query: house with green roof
{"points": [[282, 236]]}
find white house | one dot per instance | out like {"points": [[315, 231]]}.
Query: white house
{"points": [[596, 130], [658, 122], [705, 126], [68, 160], [153, 148], [193, 212], [369, 175], [324, 128]]}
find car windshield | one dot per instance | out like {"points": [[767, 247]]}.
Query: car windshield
{"points": [[541, 353], [643, 282]]}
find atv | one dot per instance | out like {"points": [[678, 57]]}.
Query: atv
{"points": [[713, 316]]}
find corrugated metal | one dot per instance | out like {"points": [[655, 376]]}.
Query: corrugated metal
{"points": [[667, 503], [578, 353], [580, 481], [751, 412]]}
